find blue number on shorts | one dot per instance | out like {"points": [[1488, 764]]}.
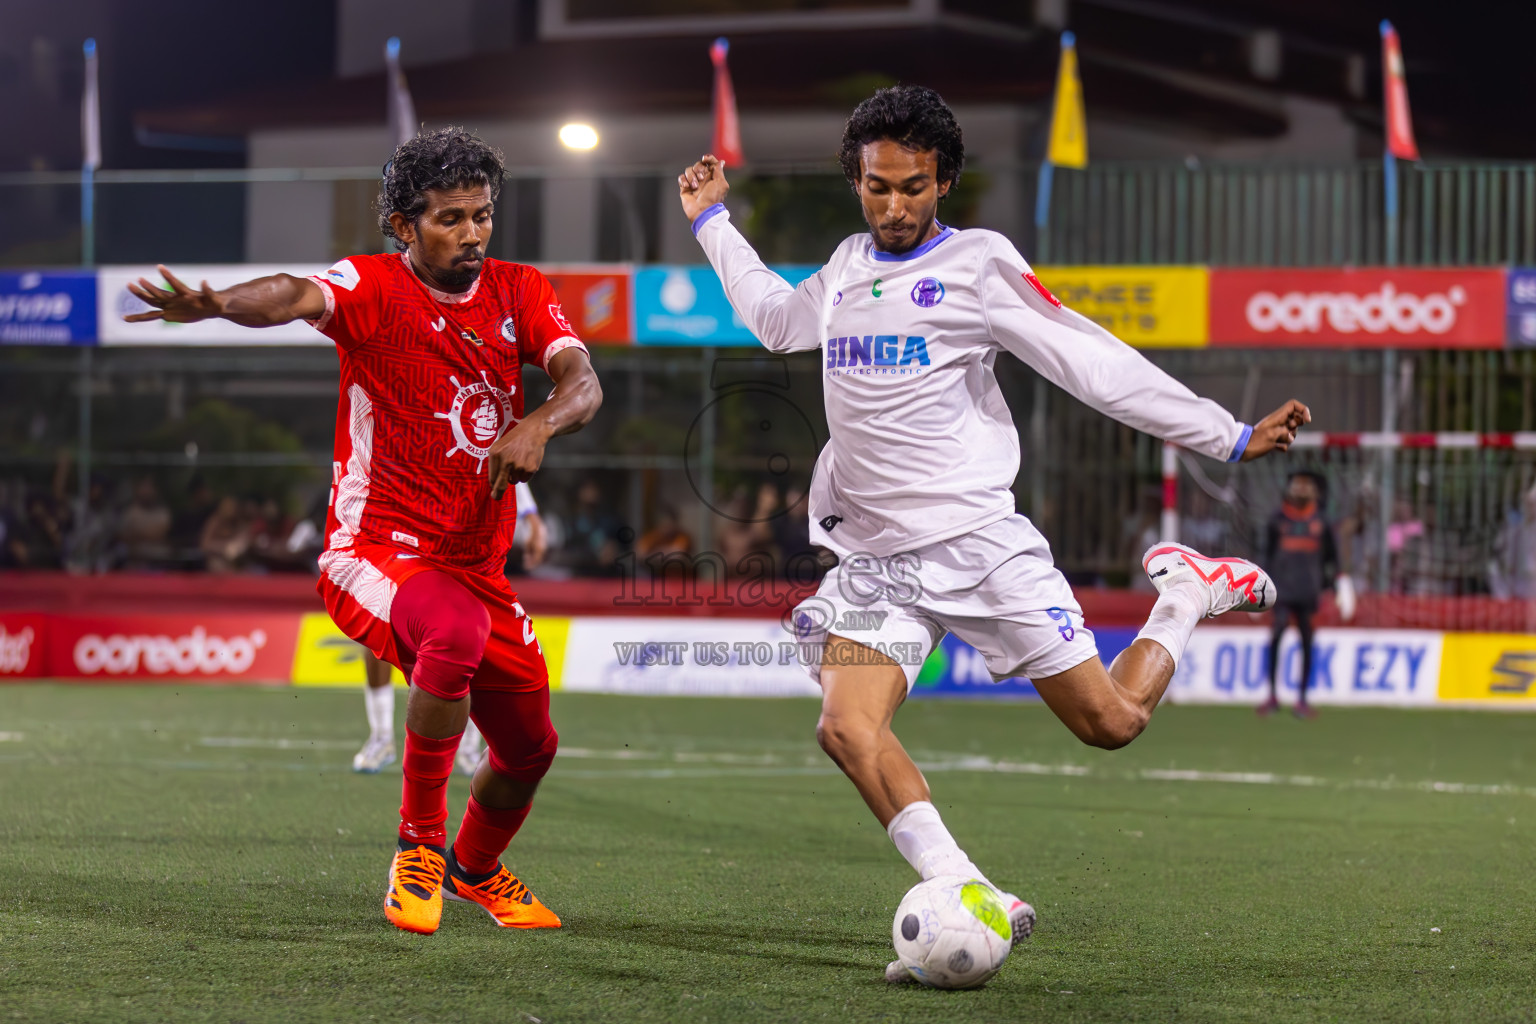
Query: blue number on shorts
{"points": [[1065, 629]]}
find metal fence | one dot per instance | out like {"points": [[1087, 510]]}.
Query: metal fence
{"points": [[1247, 215], [1114, 212]]}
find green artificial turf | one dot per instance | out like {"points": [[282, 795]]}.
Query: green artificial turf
{"points": [[204, 854]]}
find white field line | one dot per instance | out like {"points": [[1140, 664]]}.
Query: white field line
{"points": [[700, 765], [263, 743], [12, 737]]}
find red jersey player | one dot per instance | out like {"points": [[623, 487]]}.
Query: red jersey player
{"points": [[430, 438]]}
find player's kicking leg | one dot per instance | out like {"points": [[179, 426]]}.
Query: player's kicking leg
{"points": [[521, 742], [861, 690], [379, 702], [1110, 707]]}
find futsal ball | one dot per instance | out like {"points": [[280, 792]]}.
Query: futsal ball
{"points": [[952, 932]]}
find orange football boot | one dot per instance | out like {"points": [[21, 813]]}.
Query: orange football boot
{"points": [[501, 895], [414, 902]]}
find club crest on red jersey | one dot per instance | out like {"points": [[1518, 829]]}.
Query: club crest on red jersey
{"points": [[481, 412], [558, 314], [509, 330]]}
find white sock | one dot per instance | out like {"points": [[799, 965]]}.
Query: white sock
{"points": [[1174, 617], [380, 702], [920, 835], [469, 743]]}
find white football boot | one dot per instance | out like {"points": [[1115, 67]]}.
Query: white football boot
{"points": [[1229, 584], [1021, 916], [377, 754]]}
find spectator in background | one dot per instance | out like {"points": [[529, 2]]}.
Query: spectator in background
{"points": [[35, 539], [799, 559], [591, 545], [187, 526], [742, 529], [226, 537], [667, 537], [91, 546], [1301, 555], [144, 528], [1512, 573]]}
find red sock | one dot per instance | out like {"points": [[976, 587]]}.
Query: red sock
{"points": [[424, 800], [484, 834]]}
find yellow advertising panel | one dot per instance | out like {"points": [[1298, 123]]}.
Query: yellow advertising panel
{"points": [[1148, 307], [328, 657], [552, 632], [325, 656], [1489, 667]]}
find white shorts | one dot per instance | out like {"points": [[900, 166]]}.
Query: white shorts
{"points": [[997, 589]]}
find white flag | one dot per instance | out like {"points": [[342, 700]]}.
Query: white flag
{"points": [[90, 111], [402, 112]]}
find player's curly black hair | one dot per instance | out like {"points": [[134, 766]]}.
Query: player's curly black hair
{"points": [[910, 115], [447, 158]]}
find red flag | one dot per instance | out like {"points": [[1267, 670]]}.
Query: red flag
{"points": [[727, 140], [1395, 90]]}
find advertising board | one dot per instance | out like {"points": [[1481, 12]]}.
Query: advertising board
{"points": [[47, 307], [1367, 307]]}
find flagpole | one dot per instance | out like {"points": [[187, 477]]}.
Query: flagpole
{"points": [[1066, 140], [91, 133], [1389, 191], [1389, 161], [1043, 210], [90, 140]]}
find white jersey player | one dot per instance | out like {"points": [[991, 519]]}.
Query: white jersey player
{"points": [[378, 752], [913, 489]]}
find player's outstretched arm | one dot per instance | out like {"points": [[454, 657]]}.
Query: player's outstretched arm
{"points": [[784, 318], [1277, 431], [264, 302], [519, 453]]}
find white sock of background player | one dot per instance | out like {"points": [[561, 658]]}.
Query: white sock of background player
{"points": [[920, 835], [380, 702]]}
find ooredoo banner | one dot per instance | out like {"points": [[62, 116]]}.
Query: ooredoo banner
{"points": [[203, 648], [21, 645], [1380, 307]]}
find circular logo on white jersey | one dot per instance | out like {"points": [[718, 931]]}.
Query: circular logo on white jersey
{"points": [[928, 292], [509, 329], [481, 412]]}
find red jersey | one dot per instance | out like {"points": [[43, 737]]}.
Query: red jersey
{"points": [[429, 381]]}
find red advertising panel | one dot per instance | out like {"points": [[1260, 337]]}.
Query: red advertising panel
{"points": [[596, 301], [199, 648], [21, 645], [1374, 307]]}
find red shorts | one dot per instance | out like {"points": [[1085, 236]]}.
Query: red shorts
{"points": [[359, 584]]}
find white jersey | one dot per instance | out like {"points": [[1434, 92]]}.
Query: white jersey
{"points": [[923, 447]]}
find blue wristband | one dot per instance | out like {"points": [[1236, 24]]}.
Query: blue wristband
{"points": [[1242, 444], [703, 218]]}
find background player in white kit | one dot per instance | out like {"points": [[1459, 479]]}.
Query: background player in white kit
{"points": [[378, 751], [913, 489]]}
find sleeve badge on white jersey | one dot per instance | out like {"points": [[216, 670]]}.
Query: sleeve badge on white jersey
{"points": [[344, 274]]}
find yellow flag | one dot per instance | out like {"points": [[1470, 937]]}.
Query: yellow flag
{"points": [[1069, 123]]}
